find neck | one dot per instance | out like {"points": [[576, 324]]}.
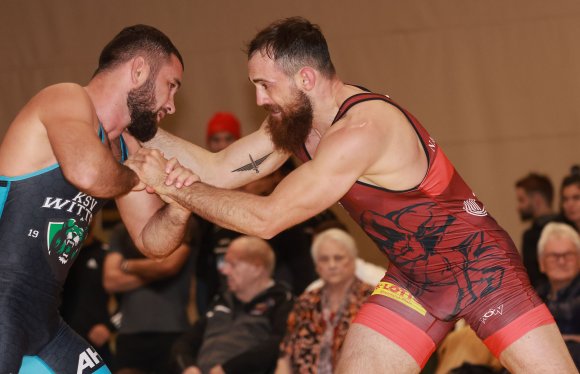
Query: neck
{"points": [[558, 285], [336, 293], [542, 211], [327, 98], [251, 292], [110, 102]]}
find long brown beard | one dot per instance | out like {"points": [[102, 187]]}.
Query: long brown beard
{"points": [[290, 131]]}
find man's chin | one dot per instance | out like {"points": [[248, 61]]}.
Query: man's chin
{"points": [[143, 137]]}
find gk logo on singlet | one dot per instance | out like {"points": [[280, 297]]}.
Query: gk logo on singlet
{"points": [[492, 312], [88, 359], [432, 144], [65, 237]]}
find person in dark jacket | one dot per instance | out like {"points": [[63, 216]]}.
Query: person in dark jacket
{"points": [[534, 194], [559, 255], [243, 328]]}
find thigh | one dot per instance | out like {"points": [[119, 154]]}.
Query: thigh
{"points": [[541, 350], [66, 353], [397, 315], [362, 349]]}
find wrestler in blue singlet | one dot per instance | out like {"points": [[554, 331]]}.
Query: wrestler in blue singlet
{"points": [[43, 222]]}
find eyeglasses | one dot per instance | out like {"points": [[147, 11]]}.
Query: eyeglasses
{"points": [[555, 257]]}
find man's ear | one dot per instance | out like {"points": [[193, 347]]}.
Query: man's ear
{"points": [[307, 78], [139, 71]]}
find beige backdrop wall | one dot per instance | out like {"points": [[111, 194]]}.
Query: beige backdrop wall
{"points": [[495, 81]]}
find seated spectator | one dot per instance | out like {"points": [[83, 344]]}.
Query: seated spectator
{"points": [[153, 298], [243, 328], [570, 197], [294, 265], [559, 255], [367, 272], [223, 129], [320, 319], [534, 194]]}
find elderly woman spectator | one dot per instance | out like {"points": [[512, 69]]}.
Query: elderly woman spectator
{"points": [[559, 256], [320, 319]]}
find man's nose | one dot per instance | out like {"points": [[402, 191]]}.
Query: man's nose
{"points": [[261, 98]]}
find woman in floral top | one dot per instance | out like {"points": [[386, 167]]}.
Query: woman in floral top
{"points": [[320, 319]]}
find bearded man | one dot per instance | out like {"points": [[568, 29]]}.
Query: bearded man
{"points": [[60, 159], [449, 258]]}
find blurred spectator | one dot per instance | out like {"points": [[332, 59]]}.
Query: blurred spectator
{"points": [[242, 330], [570, 197], [559, 254], [85, 303], [153, 298], [320, 319], [534, 194], [367, 272], [222, 130], [294, 264]]}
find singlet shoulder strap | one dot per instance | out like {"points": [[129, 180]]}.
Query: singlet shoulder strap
{"points": [[358, 98], [124, 150], [101, 132]]}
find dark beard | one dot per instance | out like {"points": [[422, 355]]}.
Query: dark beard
{"points": [[140, 100], [526, 215], [290, 131]]}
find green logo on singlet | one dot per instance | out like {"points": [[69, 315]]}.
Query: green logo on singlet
{"points": [[64, 239]]}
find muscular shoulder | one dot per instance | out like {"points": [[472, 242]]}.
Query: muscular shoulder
{"points": [[366, 131], [381, 136], [63, 99], [372, 117]]}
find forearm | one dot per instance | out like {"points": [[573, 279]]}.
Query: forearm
{"points": [[107, 179], [230, 209], [247, 160], [164, 231], [146, 269], [571, 337], [188, 154], [152, 270], [283, 366], [117, 280]]}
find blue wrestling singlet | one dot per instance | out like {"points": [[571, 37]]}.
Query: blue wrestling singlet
{"points": [[43, 222]]}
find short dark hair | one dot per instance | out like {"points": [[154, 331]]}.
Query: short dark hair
{"points": [[538, 183], [572, 178], [134, 40], [293, 43]]}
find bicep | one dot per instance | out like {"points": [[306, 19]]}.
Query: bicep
{"points": [[70, 122], [309, 190]]}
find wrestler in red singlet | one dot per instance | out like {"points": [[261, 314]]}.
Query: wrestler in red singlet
{"points": [[449, 258]]}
